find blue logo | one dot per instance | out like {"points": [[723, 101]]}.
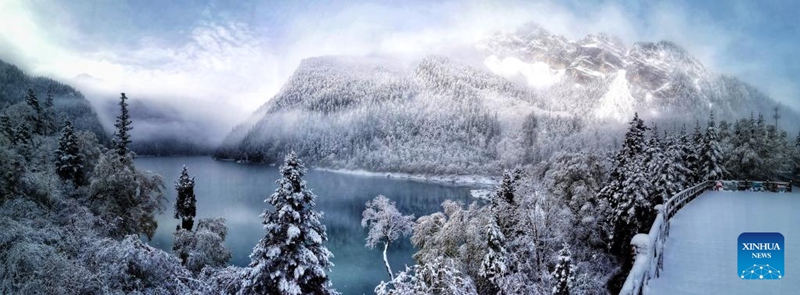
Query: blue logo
{"points": [[761, 256]]}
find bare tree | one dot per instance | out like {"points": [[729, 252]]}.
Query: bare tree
{"points": [[386, 224]]}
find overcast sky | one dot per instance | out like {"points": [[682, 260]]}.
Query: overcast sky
{"points": [[225, 58]]}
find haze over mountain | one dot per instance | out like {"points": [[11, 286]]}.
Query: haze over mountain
{"points": [[215, 62], [658, 79], [68, 103], [535, 93]]}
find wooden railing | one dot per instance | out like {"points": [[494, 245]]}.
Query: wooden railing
{"points": [[648, 248]]}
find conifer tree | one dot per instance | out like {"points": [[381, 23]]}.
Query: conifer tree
{"points": [[22, 134], [627, 191], [8, 131], [493, 266], [32, 101], [636, 211], [503, 204], [563, 277], [48, 103], [123, 124], [743, 158], [36, 118], [507, 186], [653, 157], [711, 156], [291, 258], [688, 157], [671, 174], [695, 160], [796, 156], [186, 203], [724, 130], [49, 115], [797, 140], [69, 160]]}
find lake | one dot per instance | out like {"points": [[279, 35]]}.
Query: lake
{"points": [[236, 192]]}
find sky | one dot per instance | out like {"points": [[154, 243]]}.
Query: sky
{"points": [[219, 60]]}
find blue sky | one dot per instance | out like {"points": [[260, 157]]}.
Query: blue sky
{"points": [[235, 55]]}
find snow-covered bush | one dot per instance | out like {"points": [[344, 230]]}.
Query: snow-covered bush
{"points": [[440, 276], [126, 198], [203, 247], [226, 280], [131, 266]]}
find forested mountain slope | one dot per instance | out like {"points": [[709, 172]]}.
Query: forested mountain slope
{"points": [[436, 116], [536, 93], [68, 103]]}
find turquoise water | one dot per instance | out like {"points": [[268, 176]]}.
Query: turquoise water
{"points": [[237, 192]]}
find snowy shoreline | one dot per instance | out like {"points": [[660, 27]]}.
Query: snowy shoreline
{"points": [[455, 180]]}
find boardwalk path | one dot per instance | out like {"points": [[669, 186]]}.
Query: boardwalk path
{"points": [[701, 251]]}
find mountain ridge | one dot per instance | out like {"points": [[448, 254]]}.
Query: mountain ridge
{"points": [[67, 101], [573, 96]]}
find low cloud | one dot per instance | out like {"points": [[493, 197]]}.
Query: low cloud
{"points": [[219, 70]]}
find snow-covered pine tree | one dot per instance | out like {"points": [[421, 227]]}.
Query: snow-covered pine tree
{"points": [[186, 202], [123, 124], [35, 118], [49, 115], [638, 209], [762, 148], [725, 138], [291, 258], [688, 157], [797, 140], [711, 156], [32, 100], [507, 186], [653, 157], [743, 161], [617, 193], [671, 174], [7, 129], [563, 278], [796, 154], [724, 130], [22, 139], [386, 225], [695, 160], [69, 160], [503, 204], [493, 266], [48, 102]]}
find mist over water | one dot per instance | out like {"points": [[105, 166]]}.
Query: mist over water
{"points": [[236, 192]]}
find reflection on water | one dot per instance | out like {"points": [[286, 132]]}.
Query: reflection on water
{"points": [[237, 192]]}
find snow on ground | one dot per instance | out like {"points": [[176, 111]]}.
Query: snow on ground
{"points": [[459, 180], [482, 194], [701, 251]]}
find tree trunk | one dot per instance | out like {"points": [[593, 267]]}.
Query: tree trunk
{"points": [[385, 260]]}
